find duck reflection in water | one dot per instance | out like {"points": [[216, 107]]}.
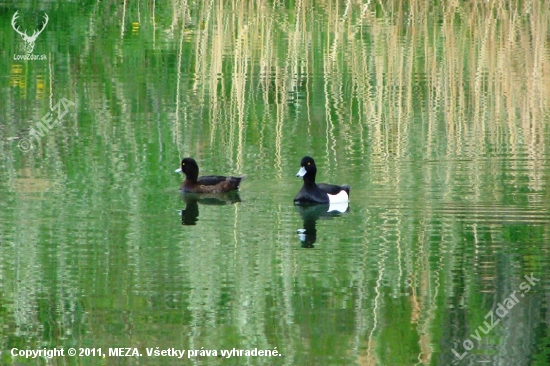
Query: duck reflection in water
{"points": [[190, 215], [310, 214]]}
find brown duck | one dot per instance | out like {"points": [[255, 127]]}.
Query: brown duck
{"points": [[205, 184]]}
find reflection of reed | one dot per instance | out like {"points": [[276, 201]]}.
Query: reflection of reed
{"points": [[399, 71], [456, 81]]}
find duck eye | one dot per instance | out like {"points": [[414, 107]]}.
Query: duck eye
{"points": [[182, 164], [308, 163]]}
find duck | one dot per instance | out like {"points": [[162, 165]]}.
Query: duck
{"points": [[312, 193], [205, 184]]}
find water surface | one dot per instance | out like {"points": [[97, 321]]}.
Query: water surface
{"points": [[436, 115]]}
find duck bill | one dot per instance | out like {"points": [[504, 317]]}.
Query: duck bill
{"points": [[302, 172], [178, 170]]}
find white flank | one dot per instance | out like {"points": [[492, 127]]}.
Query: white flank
{"points": [[341, 197]]}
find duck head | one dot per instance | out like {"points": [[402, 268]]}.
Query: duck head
{"points": [[190, 168], [308, 170]]}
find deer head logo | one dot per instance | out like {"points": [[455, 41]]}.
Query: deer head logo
{"points": [[29, 40]]}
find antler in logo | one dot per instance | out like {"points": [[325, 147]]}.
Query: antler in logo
{"points": [[29, 40]]}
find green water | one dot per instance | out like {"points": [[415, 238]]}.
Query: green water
{"points": [[437, 116]]}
